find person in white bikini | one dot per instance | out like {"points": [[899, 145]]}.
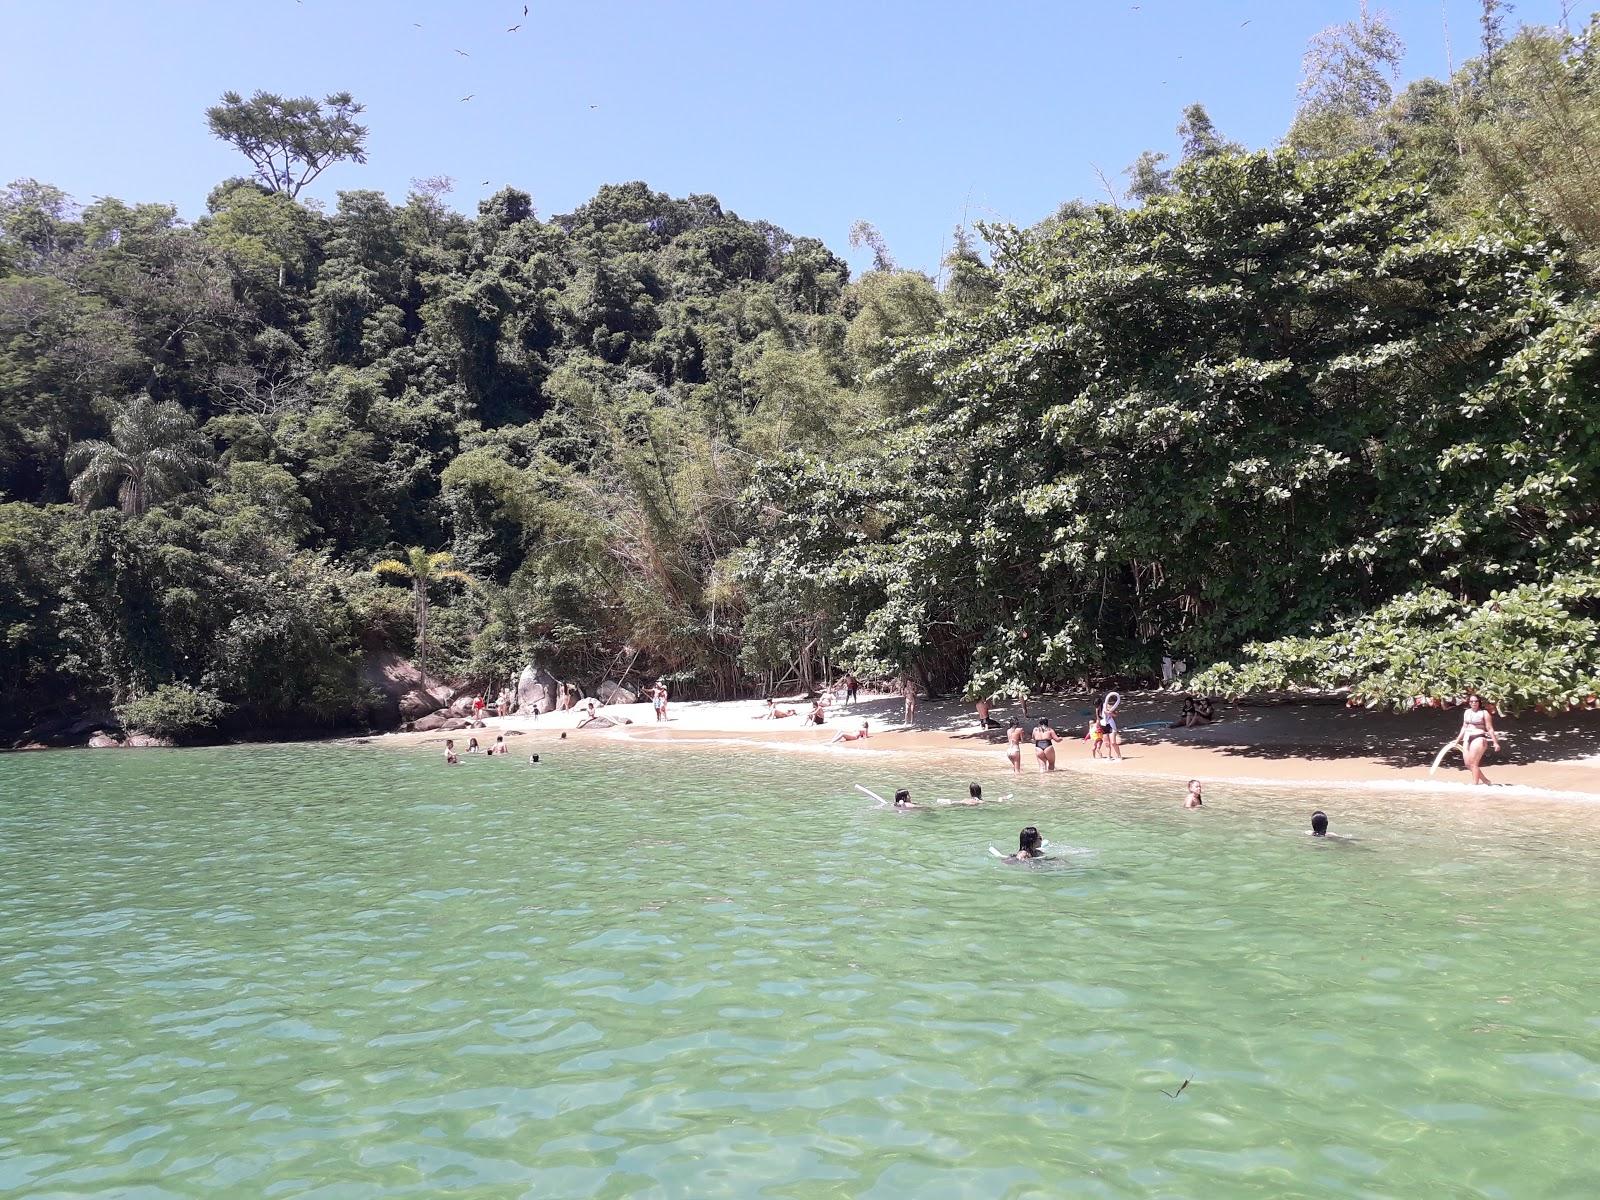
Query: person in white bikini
{"points": [[1477, 732]]}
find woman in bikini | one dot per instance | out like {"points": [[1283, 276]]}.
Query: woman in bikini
{"points": [[1477, 731], [1014, 746], [1044, 744]]}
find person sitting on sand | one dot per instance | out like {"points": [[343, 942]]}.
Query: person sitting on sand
{"points": [[1193, 799], [1030, 846], [590, 705], [1319, 824], [1044, 744], [1195, 712], [819, 712], [1014, 745], [843, 736], [450, 756]]}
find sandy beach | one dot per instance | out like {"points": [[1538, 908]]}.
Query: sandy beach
{"points": [[1293, 743]]}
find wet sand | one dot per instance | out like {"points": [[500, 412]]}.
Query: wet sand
{"points": [[1301, 744]]}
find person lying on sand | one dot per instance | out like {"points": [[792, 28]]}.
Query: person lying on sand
{"points": [[1193, 799], [773, 712], [860, 735]]}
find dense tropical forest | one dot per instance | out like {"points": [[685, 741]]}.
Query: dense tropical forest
{"points": [[1325, 414]]}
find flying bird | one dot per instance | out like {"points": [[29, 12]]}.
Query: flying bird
{"points": [[1176, 1094], [418, 24], [463, 53], [514, 28], [1242, 24], [524, 10], [485, 183], [594, 106], [468, 96]]}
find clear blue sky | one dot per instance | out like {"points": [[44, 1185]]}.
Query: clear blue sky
{"points": [[808, 113]]}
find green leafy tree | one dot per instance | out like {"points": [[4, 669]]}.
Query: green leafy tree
{"points": [[155, 452], [422, 570], [290, 140]]}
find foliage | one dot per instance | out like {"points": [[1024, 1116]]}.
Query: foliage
{"points": [[172, 710], [1535, 645], [290, 140], [155, 452]]}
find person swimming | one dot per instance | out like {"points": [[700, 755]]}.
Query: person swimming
{"points": [[472, 745], [902, 800], [1030, 846], [1193, 799], [1319, 824], [450, 756], [500, 746]]}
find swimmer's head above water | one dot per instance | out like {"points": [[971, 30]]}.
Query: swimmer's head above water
{"points": [[1030, 844], [1319, 823], [975, 791], [902, 798], [1194, 799]]}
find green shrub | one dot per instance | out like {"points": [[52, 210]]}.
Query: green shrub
{"points": [[173, 710]]}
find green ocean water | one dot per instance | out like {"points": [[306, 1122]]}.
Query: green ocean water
{"points": [[352, 971]]}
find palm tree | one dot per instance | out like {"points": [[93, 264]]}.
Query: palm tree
{"points": [[422, 569], [154, 453]]}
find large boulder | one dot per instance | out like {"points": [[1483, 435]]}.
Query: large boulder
{"points": [[148, 741], [101, 740], [537, 689], [398, 691], [612, 692], [430, 722]]}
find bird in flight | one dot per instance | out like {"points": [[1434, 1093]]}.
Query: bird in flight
{"points": [[1176, 1094], [463, 53], [418, 24], [485, 183], [468, 96], [524, 10], [1242, 24], [594, 106], [514, 28]]}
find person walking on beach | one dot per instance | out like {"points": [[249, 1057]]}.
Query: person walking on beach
{"points": [[658, 698], [851, 686], [1477, 731], [1014, 746], [908, 689]]}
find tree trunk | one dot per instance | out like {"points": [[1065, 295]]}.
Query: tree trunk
{"points": [[422, 632]]}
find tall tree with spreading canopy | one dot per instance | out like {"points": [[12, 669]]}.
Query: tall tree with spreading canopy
{"points": [[290, 139]]}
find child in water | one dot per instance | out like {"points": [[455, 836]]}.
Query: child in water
{"points": [[450, 756], [500, 746], [1193, 799], [902, 800], [472, 745]]}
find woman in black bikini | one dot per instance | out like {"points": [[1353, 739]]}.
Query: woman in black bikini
{"points": [[1044, 744]]}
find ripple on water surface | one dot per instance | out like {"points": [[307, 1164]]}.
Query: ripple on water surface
{"points": [[348, 971]]}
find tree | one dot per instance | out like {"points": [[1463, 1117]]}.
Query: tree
{"points": [[865, 233], [291, 140], [1347, 80], [1147, 178], [1200, 137], [423, 570], [154, 453]]}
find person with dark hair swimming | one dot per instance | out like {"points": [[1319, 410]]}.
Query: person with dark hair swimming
{"points": [[902, 800], [974, 797], [1030, 846], [1319, 824], [1194, 799]]}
